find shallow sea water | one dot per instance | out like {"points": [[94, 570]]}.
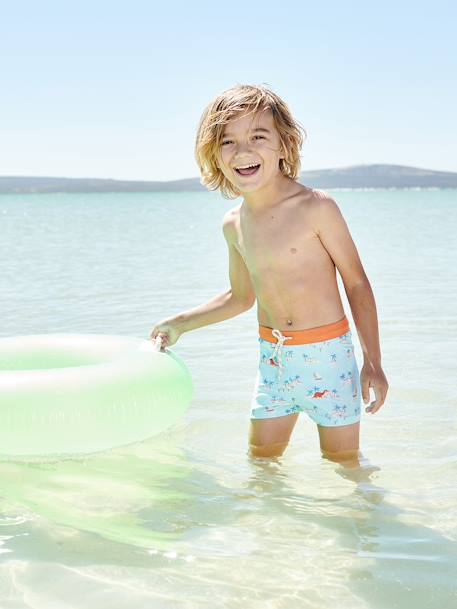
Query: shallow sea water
{"points": [[187, 519]]}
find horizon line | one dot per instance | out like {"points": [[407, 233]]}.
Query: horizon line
{"points": [[343, 167]]}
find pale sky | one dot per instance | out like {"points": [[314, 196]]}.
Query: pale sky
{"points": [[114, 89]]}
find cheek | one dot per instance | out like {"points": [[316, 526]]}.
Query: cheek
{"points": [[224, 157], [224, 165], [270, 147]]}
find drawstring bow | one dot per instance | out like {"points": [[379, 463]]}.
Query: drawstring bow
{"points": [[277, 355]]}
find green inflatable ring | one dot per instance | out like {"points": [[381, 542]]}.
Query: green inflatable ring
{"points": [[65, 394]]}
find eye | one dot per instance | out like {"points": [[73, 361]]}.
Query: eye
{"points": [[230, 141]]}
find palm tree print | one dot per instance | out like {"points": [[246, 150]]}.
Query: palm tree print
{"points": [[317, 378], [277, 400], [267, 383], [310, 360], [339, 411], [290, 383]]}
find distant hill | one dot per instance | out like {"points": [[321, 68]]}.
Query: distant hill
{"points": [[355, 176], [39, 184], [379, 176]]}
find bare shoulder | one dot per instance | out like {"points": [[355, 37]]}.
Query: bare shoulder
{"points": [[313, 200], [324, 209], [321, 198], [230, 222], [304, 194]]}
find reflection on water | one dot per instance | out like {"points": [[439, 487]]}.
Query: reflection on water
{"points": [[163, 508], [384, 548]]}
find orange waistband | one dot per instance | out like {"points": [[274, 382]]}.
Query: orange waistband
{"points": [[310, 335]]}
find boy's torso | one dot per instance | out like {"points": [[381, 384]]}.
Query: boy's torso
{"points": [[293, 275]]}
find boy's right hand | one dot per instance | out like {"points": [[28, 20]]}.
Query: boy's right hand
{"points": [[168, 331]]}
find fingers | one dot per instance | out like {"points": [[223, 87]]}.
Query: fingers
{"points": [[158, 341], [378, 383], [366, 395], [159, 337], [163, 338], [380, 396], [365, 384], [380, 393], [157, 334]]}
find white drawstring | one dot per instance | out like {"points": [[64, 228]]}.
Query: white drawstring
{"points": [[278, 349]]}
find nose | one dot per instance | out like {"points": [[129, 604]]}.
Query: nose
{"points": [[241, 147]]}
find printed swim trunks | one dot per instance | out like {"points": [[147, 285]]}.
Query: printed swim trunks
{"points": [[312, 371]]}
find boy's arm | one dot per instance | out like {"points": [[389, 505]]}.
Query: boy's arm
{"points": [[239, 298], [240, 279], [336, 238]]}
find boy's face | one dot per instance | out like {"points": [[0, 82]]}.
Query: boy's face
{"points": [[250, 139]]}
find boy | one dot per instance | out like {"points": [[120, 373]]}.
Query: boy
{"points": [[285, 241]]}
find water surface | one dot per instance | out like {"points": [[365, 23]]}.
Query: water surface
{"points": [[186, 519]]}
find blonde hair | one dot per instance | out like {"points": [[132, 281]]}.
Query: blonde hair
{"points": [[224, 107]]}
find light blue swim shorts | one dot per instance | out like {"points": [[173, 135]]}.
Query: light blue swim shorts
{"points": [[312, 371]]}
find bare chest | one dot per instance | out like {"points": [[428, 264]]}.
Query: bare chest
{"points": [[282, 241]]}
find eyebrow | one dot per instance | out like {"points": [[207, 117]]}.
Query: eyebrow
{"points": [[257, 129]]}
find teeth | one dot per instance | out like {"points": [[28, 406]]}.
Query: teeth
{"points": [[247, 166]]}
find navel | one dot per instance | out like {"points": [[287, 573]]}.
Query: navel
{"points": [[293, 250], [289, 322]]}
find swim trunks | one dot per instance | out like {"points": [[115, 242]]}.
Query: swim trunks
{"points": [[312, 371]]}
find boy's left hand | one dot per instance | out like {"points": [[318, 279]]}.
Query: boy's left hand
{"points": [[373, 376]]}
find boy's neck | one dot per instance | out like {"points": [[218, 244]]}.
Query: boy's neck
{"points": [[267, 197]]}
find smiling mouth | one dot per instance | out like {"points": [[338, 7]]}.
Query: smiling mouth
{"points": [[247, 172]]}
